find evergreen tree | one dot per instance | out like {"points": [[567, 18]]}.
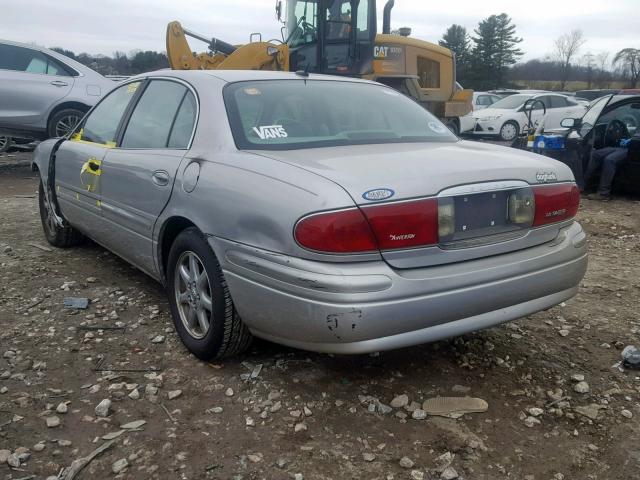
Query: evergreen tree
{"points": [[456, 39], [495, 50]]}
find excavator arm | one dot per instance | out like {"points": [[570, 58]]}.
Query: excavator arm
{"points": [[221, 55]]}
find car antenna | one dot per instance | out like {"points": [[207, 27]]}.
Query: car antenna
{"points": [[302, 73]]}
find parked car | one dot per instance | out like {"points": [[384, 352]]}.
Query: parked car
{"points": [[507, 118], [44, 94], [324, 213], [481, 100], [608, 120], [595, 94]]}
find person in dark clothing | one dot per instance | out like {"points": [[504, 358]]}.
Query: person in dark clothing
{"points": [[610, 159]]}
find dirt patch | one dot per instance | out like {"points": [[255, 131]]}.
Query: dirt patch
{"points": [[306, 415]]}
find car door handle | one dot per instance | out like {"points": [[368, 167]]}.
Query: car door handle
{"points": [[59, 83], [160, 178]]}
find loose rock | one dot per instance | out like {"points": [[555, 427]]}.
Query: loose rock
{"points": [[581, 387], [103, 408], [119, 465], [406, 462], [174, 394], [400, 401], [52, 421], [449, 473]]}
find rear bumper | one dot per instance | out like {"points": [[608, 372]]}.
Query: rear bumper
{"points": [[364, 307]]}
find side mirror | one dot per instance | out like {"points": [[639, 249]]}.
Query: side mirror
{"points": [[279, 10], [569, 123]]}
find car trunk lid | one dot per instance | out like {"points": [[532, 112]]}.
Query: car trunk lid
{"points": [[474, 178]]}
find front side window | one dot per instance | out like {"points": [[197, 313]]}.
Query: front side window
{"points": [[154, 115], [292, 114], [428, 73], [589, 119], [628, 114], [301, 22], [101, 126], [338, 20], [484, 100]]}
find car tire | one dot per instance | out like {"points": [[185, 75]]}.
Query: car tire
{"points": [[61, 237], [63, 122], [454, 127], [509, 131], [5, 143], [194, 282]]}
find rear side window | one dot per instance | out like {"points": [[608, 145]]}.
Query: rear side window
{"points": [[183, 124], [102, 124], [154, 115], [557, 102], [30, 61]]}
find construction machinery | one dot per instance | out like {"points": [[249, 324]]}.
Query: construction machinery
{"points": [[338, 37]]}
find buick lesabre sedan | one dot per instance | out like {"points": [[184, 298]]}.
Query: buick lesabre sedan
{"points": [[328, 214]]}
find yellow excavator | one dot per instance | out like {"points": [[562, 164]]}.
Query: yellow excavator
{"points": [[338, 37]]}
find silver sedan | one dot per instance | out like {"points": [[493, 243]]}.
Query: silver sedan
{"points": [[328, 214]]}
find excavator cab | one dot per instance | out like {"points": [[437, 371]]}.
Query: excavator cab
{"points": [[333, 37]]}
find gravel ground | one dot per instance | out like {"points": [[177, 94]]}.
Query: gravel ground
{"points": [[72, 382]]}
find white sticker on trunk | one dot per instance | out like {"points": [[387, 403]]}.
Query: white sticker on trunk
{"points": [[270, 131]]}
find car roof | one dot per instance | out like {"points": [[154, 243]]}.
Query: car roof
{"points": [[622, 98], [230, 76]]}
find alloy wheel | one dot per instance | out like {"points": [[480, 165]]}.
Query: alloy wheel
{"points": [[66, 124], [50, 220], [193, 295]]}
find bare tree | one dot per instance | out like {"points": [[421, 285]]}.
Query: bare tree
{"points": [[602, 60], [567, 48], [628, 59], [588, 63]]}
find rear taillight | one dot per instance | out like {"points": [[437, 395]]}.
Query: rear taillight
{"points": [[342, 231], [404, 224], [555, 203], [376, 227]]}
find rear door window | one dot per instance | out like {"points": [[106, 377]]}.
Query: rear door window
{"points": [[101, 126], [154, 115], [557, 102], [27, 60]]}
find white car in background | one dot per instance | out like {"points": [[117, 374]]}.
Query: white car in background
{"points": [[481, 100], [507, 118], [44, 94]]}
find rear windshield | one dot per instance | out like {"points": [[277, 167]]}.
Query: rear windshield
{"points": [[293, 114]]}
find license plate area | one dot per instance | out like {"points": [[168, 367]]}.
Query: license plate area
{"points": [[477, 215]]}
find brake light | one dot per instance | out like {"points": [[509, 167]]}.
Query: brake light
{"points": [[555, 203], [372, 228], [342, 231], [404, 224]]}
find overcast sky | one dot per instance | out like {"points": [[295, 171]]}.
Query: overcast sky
{"points": [[104, 26]]}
